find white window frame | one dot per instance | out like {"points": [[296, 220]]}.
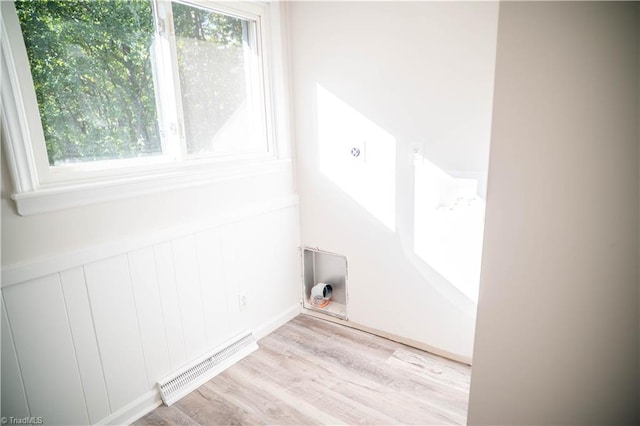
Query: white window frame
{"points": [[38, 190]]}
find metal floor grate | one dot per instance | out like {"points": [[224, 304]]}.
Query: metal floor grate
{"points": [[187, 379]]}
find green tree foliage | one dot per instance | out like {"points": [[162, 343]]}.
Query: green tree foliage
{"points": [[90, 62], [211, 59]]}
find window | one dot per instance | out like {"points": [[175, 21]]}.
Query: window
{"points": [[219, 81], [124, 87], [106, 82], [91, 69]]}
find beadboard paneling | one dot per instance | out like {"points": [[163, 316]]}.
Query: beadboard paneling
{"points": [[86, 345], [116, 323], [95, 334], [144, 282], [46, 351], [170, 305], [14, 399], [214, 291], [190, 296], [231, 236]]}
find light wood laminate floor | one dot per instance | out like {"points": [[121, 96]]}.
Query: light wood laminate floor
{"points": [[311, 371]]}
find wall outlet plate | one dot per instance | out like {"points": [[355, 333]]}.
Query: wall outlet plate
{"points": [[242, 302], [416, 150]]}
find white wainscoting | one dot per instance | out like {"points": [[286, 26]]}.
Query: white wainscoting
{"points": [[86, 335]]}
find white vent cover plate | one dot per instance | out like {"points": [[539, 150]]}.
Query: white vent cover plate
{"points": [[204, 368]]}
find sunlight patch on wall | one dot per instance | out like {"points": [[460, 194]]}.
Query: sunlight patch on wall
{"points": [[358, 156], [449, 226]]}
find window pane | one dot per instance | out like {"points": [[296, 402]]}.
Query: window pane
{"points": [[91, 69], [219, 82]]}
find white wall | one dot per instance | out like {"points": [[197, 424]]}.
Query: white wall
{"points": [[557, 330], [87, 335], [101, 301], [26, 238], [383, 76]]}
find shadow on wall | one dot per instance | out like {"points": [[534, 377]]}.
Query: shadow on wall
{"points": [[361, 158]]}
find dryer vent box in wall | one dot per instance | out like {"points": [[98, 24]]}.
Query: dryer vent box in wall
{"points": [[325, 282]]}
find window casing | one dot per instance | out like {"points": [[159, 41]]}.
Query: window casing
{"points": [[185, 159]]}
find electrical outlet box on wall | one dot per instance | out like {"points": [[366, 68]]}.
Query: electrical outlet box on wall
{"points": [[416, 151], [242, 301], [358, 152]]}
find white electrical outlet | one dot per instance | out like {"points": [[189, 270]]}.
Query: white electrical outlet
{"points": [[242, 302], [416, 151]]}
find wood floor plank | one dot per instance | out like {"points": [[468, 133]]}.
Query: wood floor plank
{"points": [[405, 396], [208, 408], [291, 396], [431, 368], [281, 410], [314, 372], [319, 391], [349, 358], [166, 416]]}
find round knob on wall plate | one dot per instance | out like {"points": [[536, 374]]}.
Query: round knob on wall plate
{"points": [[355, 151]]}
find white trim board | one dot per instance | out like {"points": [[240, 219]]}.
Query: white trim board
{"points": [[135, 410], [77, 194], [15, 274], [404, 340]]}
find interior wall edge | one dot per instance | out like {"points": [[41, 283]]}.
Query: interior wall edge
{"points": [[557, 338]]}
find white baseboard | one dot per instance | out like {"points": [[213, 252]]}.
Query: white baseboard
{"points": [[278, 321], [134, 410], [404, 340]]}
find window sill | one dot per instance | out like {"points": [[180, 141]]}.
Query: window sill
{"points": [[57, 197]]}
